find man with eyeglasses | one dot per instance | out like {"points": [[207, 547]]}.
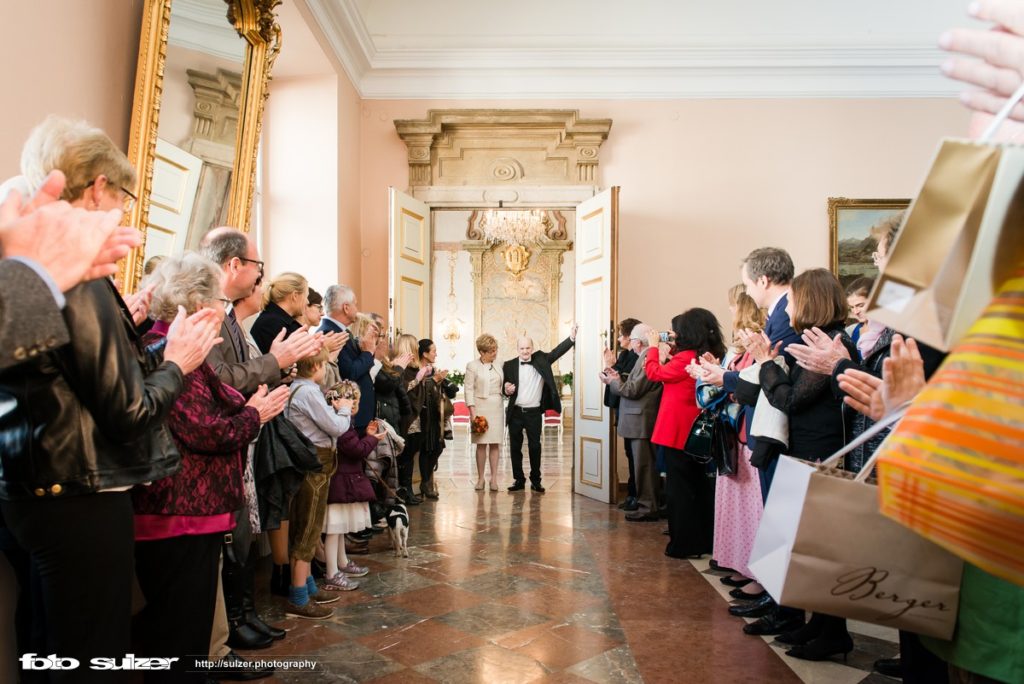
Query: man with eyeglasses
{"points": [[237, 255]]}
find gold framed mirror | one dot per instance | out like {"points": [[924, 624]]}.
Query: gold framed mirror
{"points": [[200, 86]]}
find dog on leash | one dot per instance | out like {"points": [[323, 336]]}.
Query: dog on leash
{"points": [[398, 528]]}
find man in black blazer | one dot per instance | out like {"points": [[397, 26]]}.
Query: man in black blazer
{"points": [[530, 387], [355, 359]]}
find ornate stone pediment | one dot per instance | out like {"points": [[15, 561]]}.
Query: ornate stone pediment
{"points": [[496, 147]]}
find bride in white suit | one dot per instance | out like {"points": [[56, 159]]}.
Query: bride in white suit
{"points": [[484, 380]]}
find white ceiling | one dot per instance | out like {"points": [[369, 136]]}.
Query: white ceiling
{"points": [[639, 49]]}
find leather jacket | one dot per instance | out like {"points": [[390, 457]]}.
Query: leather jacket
{"points": [[86, 417]]}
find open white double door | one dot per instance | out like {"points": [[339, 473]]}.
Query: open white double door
{"points": [[594, 462]]}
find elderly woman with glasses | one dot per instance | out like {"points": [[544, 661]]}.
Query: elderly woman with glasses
{"points": [[84, 424], [180, 520]]}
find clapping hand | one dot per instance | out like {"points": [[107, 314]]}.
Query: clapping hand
{"points": [[991, 60], [268, 404], [711, 371], [190, 338], [299, 345], [819, 353], [902, 379], [340, 403], [373, 430], [423, 372], [609, 358], [759, 346], [72, 245], [439, 376], [138, 304], [402, 360]]}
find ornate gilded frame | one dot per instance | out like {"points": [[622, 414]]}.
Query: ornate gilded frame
{"points": [[835, 204], [256, 23]]}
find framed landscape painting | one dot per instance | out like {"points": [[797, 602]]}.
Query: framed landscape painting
{"points": [[851, 244]]}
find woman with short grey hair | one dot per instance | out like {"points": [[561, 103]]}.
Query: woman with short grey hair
{"points": [[181, 520]]}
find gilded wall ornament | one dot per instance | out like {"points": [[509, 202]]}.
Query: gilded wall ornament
{"points": [[517, 259]]}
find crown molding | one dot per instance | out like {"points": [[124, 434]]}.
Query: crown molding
{"points": [[576, 68], [345, 31], [200, 27]]}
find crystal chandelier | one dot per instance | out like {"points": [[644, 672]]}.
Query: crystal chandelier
{"points": [[514, 227]]}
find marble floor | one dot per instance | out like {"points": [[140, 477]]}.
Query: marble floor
{"points": [[532, 587]]}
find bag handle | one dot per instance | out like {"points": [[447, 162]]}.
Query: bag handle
{"points": [[1003, 114], [866, 436]]}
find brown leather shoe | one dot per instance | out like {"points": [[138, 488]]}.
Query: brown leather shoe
{"points": [[357, 548], [311, 611]]}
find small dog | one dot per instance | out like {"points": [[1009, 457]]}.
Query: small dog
{"points": [[398, 528]]}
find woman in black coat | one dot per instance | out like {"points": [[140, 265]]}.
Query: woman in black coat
{"points": [[285, 298], [816, 430]]}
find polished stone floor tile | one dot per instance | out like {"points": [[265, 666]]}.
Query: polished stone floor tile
{"points": [[616, 667], [552, 601], [525, 587], [366, 618], [497, 584], [351, 661], [435, 600], [397, 581], [558, 646], [488, 664], [420, 642], [491, 620]]}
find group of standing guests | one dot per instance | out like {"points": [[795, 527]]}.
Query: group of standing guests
{"points": [[792, 344]]}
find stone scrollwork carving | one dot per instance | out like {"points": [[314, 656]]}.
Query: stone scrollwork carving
{"points": [[545, 147]]}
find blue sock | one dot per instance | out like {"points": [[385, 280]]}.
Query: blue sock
{"points": [[311, 585], [298, 595]]}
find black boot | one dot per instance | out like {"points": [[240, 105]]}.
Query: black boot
{"points": [[241, 635], [281, 580], [249, 614]]}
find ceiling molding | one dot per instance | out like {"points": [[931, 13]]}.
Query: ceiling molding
{"points": [[204, 28], [781, 68]]}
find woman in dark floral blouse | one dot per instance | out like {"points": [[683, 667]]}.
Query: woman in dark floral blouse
{"points": [[180, 521]]}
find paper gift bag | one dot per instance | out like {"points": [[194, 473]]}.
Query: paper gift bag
{"points": [[822, 545], [960, 240], [953, 471]]}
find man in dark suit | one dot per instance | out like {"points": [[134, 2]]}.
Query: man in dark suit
{"points": [[354, 359], [766, 273], [530, 386]]}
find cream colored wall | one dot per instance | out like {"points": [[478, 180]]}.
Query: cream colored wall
{"points": [[82, 65], [703, 182]]}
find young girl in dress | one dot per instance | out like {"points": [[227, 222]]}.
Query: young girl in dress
{"points": [[348, 508]]}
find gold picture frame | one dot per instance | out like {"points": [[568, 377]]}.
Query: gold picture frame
{"points": [[850, 242], [256, 23]]}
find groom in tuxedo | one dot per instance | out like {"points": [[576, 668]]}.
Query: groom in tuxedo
{"points": [[530, 386]]}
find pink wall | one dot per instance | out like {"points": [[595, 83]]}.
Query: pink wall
{"points": [[703, 182], [350, 116], [81, 66]]}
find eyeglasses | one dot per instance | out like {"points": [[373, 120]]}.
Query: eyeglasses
{"points": [[258, 263], [129, 197]]}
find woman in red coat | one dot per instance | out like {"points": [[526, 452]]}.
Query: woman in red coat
{"points": [[689, 491]]}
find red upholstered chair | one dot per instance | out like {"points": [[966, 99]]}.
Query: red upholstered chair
{"points": [[461, 416], [552, 418]]}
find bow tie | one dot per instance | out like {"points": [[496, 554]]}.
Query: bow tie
{"points": [[526, 363]]}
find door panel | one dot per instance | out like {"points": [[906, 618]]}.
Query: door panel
{"points": [[175, 180], [409, 252], [594, 471]]}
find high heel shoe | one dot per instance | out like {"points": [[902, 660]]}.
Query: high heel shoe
{"points": [[479, 485], [494, 486], [823, 648]]}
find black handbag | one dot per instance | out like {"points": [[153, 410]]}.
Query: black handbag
{"points": [[713, 440]]}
